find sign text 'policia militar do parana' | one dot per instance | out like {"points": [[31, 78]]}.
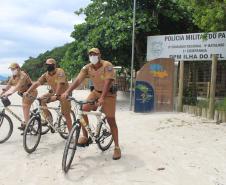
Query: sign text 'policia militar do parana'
{"points": [[187, 46]]}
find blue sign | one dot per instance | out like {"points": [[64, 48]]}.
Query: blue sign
{"points": [[144, 97]]}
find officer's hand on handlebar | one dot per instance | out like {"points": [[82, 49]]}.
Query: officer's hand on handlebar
{"points": [[25, 94], [7, 94], [100, 101], [65, 95]]}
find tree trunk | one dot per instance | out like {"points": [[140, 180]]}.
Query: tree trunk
{"points": [[140, 53]]}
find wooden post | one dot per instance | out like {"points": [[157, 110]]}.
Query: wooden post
{"points": [[181, 87], [208, 90], [212, 87], [175, 84]]}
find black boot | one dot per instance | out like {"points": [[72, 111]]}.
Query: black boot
{"points": [[22, 127]]}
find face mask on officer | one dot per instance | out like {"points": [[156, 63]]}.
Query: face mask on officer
{"points": [[14, 72], [93, 59], [50, 67]]}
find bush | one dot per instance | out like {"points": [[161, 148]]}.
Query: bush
{"points": [[221, 105], [189, 98], [203, 103]]}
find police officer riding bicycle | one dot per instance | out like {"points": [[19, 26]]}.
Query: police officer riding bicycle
{"points": [[57, 80], [20, 82], [102, 75]]}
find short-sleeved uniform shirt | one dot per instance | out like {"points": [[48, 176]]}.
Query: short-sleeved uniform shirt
{"points": [[106, 71], [24, 81], [98, 77], [53, 80]]}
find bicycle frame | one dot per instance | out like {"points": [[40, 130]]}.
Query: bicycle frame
{"points": [[98, 113], [57, 110], [11, 112], [97, 135]]}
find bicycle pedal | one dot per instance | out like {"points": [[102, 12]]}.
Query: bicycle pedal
{"points": [[83, 145], [52, 130], [90, 141]]}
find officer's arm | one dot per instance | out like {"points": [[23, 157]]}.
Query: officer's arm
{"points": [[12, 90], [17, 87], [8, 86], [33, 87], [107, 85], [74, 84], [5, 89], [59, 86]]}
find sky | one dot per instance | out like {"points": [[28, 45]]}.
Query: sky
{"points": [[31, 27]]}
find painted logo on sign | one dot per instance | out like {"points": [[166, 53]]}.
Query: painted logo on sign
{"points": [[144, 93], [158, 71], [144, 97]]}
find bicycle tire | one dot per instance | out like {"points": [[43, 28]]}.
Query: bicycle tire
{"points": [[63, 134], [45, 127], [30, 130], [3, 117], [104, 132], [72, 140]]}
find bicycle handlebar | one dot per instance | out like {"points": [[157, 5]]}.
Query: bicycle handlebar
{"points": [[92, 102]]}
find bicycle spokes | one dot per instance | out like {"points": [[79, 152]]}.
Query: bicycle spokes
{"points": [[6, 128], [1, 120], [105, 134]]}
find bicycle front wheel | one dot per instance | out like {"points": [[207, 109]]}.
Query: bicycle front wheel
{"points": [[32, 134], [70, 147], [62, 125], [6, 127], [105, 138], [45, 126]]}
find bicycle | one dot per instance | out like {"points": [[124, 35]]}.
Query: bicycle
{"points": [[33, 130], [6, 124], [98, 134]]}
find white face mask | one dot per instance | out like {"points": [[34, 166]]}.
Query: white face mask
{"points": [[93, 59], [14, 72]]}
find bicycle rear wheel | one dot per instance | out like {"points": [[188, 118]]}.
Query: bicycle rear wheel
{"points": [[70, 147], [32, 134], [62, 125], [6, 127], [105, 138]]}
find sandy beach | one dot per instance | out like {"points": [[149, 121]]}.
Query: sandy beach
{"points": [[157, 148]]}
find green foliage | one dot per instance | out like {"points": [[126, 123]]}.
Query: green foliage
{"points": [[209, 15], [189, 98], [73, 60], [108, 26], [221, 105], [203, 103], [35, 67]]}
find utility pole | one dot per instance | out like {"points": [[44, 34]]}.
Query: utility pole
{"points": [[181, 87], [212, 87], [132, 58]]}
